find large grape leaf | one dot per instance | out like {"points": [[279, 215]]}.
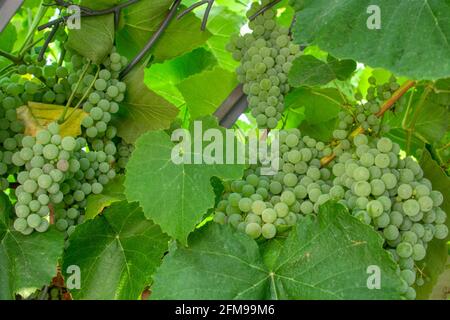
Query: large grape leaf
{"points": [[95, 39], [117, 253], [223, 24], [205, 92], [175, 196], [142, 109], [437, 253], [309, 71], [322, 258], [26, 262], [163, 77], [419, 51], [141, 20], [314, 110]]}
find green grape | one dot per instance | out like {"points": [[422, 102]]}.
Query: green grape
{"points": [[405, 191], [391, 232], [281, 209], [45, 181], [404, 250], [362, 188], [269, 215], [20, 224], [419, 252], [411, 207], [441, 231], [268, 230], [382, 160], [34, 220], [50, 151], [409, 276], [253, 230], [258, 207]]}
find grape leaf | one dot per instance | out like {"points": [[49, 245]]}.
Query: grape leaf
{"points": [[163, 77], [425, 120], [323, 258], [341, 28], [37, 116], [309, 71], [205, 92], [142, 109], [117, 252], [219, 263], [95, 39], [175, 196], [222, 24], [434, 263], [140, 21], [176, 70], [100, 4], [113, 192], [25, 261]]}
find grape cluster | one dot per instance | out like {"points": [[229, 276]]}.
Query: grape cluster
{"points": [[370, 178], [265, 205], [33, 81], [392, 195], [47, 160], [58, 173], [265, 57]]}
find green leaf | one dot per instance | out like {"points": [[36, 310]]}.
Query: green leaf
{"points": [[175, 196], [340, 27], [342, 69], [142, 109], [322, 258], [328, 258], [308, 71], [100, 4], [113, 192], [437, 253], [163, 77], [26, 262], [426, 120], [220, 263], [205, 92], [95, 39], [8, 37], [223, 24], [143, 19], [176, 70], [117, 253]]}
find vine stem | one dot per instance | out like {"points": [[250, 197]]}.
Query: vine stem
{"points": [[86, 12], [10, 57], [84, 95], [152, 40], [385, 107], [264, 9], [37, 19], [72, 96]]}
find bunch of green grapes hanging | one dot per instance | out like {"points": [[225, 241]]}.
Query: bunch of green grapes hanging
{"points": [[54, 172], [265, 57]]}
